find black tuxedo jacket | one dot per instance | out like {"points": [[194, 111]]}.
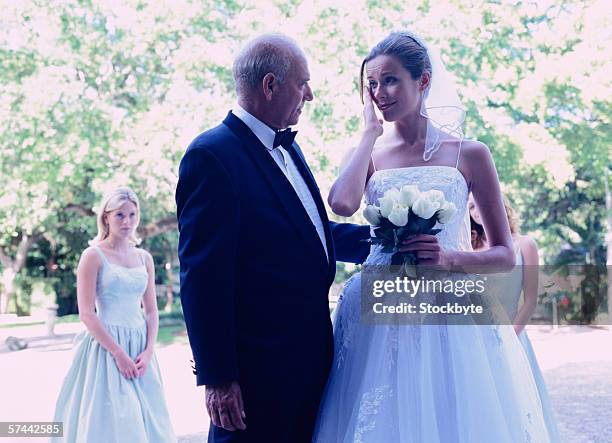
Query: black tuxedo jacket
{"points": [[255, 279]]}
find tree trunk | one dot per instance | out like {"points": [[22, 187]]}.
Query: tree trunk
{"points": [[169, 285], [609, 246], [10, 268], [8, 286]]}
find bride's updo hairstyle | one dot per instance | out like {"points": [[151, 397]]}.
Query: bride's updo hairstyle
{"points": [[406, 48]]}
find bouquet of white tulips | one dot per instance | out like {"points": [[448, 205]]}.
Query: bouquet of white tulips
{"points": [[404, 213]]}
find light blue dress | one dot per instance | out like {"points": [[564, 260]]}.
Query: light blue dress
{"points": [[96, 403], [429, 383], [510, 297]]}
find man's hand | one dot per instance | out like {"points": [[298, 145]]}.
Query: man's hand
{"points": [[225, 407]]}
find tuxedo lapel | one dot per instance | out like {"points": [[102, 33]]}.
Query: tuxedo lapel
{"points": [[279, 184]]}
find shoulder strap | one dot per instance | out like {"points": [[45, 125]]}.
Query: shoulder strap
{"points": [[519, 256], [372, 160], [100, 253], [142, 256], [458, 154]]}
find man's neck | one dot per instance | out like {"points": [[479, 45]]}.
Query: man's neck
{"points": [[256, 112]]}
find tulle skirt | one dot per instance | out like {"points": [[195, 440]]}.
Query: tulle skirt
{"points": [[547, 408], [97, 404], [426, 383]]}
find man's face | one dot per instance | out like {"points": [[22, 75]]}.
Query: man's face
{"points": [[292, 93]]}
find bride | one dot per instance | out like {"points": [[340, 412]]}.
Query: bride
{"points": [[424, 383]]}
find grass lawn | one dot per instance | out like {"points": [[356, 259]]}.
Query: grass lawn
{"points": [[19, 325], [171, 328], [171, 333]]}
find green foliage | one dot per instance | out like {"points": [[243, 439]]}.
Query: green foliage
{"points": [[343, 274], [95, 94]]}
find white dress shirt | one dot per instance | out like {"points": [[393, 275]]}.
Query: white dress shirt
{"points": [[283, 159]]}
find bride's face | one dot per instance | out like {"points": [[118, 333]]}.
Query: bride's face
{"points": [[396, 94]]}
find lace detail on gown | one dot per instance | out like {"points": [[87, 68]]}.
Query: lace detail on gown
{"points": [[368, 409]]}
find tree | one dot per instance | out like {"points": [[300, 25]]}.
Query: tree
{"points": [[95, 94], [88, 102]]}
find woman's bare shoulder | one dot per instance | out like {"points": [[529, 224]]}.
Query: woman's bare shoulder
{"points": [[90, 259], [527, 243], [474, 148], [144, 253], [90, 253]]}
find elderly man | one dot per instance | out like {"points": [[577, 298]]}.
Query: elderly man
{"points": [[258, 255]]}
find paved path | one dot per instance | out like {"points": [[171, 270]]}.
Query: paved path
{"points": [[576, 361], [577, 365], [31, 379]]}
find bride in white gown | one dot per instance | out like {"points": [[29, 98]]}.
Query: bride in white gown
{"points": [[428, 383]]}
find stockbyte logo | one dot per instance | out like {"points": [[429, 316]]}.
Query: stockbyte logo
{"points": [[484, 296]]}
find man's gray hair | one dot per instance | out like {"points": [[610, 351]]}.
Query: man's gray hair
{"points": [[268, 53]]}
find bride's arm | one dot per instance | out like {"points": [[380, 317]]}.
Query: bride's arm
{"points": [[347, 191], [487, 194], [485, 188]]}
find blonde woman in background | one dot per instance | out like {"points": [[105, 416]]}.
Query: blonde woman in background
{"points": [[526, 283], [113, 391]]}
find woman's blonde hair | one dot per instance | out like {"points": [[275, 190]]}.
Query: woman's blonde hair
{"points": [[111, 202], [513, 218], [479, 237]]}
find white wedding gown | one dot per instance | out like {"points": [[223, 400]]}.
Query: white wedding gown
{"points": [[428, 383], [510, 296]]}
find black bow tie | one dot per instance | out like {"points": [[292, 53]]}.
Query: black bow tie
{"points": [[284, 138]]}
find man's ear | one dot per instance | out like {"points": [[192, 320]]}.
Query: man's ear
{"points": [[269, 85]]}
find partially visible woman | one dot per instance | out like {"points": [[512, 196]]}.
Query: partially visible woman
{"points": [[113, 391], [526, 282]]}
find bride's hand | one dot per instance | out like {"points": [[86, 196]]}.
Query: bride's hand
{"points": [[372, 122], [427, 249]]}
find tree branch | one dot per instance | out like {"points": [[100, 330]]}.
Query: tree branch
{"points": [[22, 251], [79, 209], [157, 227]]}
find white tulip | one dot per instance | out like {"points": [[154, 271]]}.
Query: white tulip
{"points": [[386, 205], [399, 215], [446, 212], [393, 194], [435, 195], [424, 207], [372, 214], [408, 195]]}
